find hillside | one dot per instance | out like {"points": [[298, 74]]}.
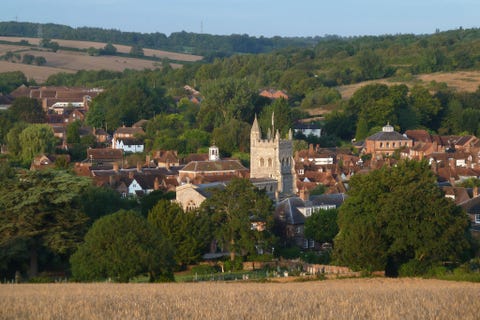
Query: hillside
{"points": [[72, 61], [461, 81]]}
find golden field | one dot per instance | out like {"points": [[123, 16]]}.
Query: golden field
{"points": [[467, 81], [71, 61], [377, 298], [120, 48]]}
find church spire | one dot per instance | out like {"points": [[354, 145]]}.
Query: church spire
{"points": [[255, 131], [273, 121]]}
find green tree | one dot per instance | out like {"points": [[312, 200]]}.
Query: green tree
{"points": [[225, 100], [109, 49], [189, 232], [27, 110], [13, 138], [322, 225], [42, 209], [136, 51], [233, 210], [11, 80], [232, 136], [371, 65], [40, 61], [36, 139], [394, 216], [73, 134], [424, 105], [283, 116], [121, 246]]}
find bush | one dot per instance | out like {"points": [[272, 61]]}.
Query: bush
{"points": [[204, 269], [413, 268], [235, 265], [289, 252]]}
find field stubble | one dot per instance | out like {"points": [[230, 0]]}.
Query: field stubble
{"points": [[333, 299]]}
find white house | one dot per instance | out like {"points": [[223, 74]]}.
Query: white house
{"points": [[128, 145], [308, 129]]}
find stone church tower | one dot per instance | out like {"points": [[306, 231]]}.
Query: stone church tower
{"points": [[272, 158]]}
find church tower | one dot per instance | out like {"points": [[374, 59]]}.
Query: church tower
{"points": [[272, 158]]}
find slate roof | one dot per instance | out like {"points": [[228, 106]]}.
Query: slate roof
{"points": [[104, 154], [387, 136], [219, 165], [419, 135], [288, 209]]}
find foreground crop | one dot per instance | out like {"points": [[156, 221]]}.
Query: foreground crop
{"points": [[333, 299]]}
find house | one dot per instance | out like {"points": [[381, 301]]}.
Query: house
{"points": [[101, 135], [190, 196], [5, 101], [386, 142], [128, 145], [58, 99], [307, 129], [44, 162], [128, 139], [165, 158], [292, 212], [128, 132], [134, 182], [143, 184], [212, 170], [472, 208], [274, 94], [104, 156]]}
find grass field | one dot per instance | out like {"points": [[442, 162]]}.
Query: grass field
{"points": [[460, 80], [376, 298]]}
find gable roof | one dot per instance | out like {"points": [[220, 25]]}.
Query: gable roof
{"points": [[387, 136], [211, 166], [104, 154]]}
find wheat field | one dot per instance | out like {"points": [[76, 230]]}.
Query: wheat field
{"points": [[376, 298]]}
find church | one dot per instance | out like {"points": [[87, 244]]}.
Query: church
{"points": [[272, 158], [271, 169]]}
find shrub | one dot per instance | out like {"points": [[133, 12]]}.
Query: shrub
{"points": [[204, 269], [235, 265], [413, 268]]}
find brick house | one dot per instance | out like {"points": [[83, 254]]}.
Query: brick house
{"points": [[386, 142]]}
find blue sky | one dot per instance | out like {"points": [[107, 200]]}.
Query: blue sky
{"points": [[254, 17]]}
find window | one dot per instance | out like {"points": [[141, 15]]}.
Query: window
{"points": [[393, 144], [311, 243], [262, 162], [308, 212], [477, 218], [269, 162], [305, 243], [381, 144]]}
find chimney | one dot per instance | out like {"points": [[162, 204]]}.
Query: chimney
{"points": [[139, 166], [475, 192], [115, 166], [147, 160], [304, 194], [310, 149], [156, 184]]}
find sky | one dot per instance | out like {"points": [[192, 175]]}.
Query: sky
{"points": [[266, 18]]}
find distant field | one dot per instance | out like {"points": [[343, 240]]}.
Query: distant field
{"points": [[461, 81], [120, 48], [333, 299], [70, 61]]}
